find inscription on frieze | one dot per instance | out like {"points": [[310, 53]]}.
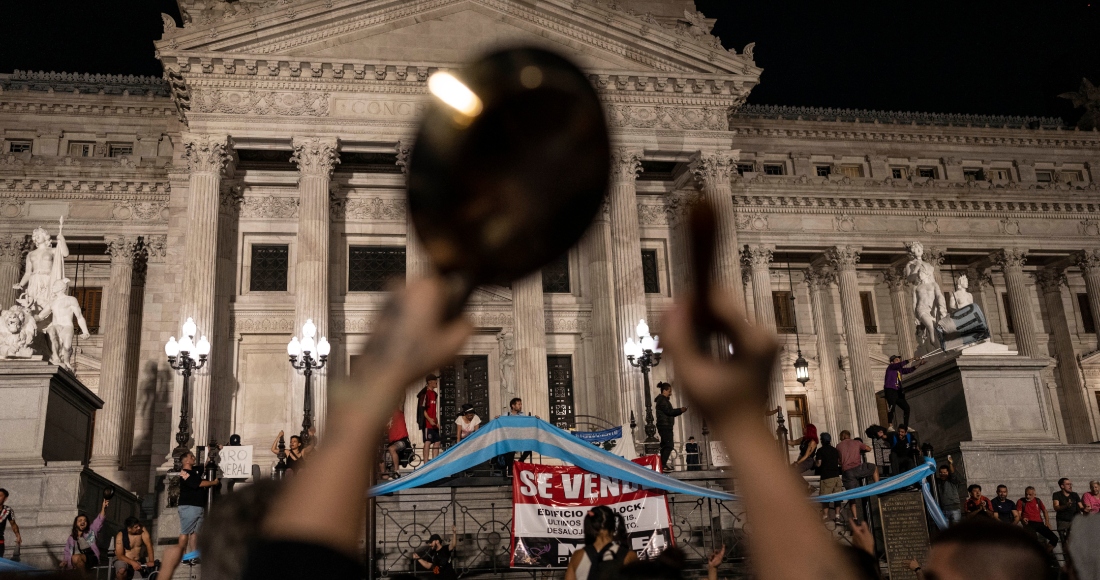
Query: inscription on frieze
{"points": [[904, 530], [379, 108]]}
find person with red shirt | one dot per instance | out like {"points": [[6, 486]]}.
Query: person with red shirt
{"points": [[977, 504], [1033, 514], [398, 438], [427, 408]]}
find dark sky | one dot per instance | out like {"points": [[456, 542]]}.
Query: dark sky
{"points": [[959, 56]]}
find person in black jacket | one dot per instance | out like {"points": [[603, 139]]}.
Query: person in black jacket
{"points": [[666, 415]]}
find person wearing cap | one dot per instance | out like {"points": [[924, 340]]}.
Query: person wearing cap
{"points": [[427, 415], [438, 558], [467, 422], [895, 396]]}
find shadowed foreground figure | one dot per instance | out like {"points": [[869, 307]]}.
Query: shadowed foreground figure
{"points": [[985, 549]]}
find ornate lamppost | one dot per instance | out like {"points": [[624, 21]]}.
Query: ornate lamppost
{"points": [[181, 360], [645, 354], [304, 350]]}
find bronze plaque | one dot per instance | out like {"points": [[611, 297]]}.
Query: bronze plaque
{"points": [[904, 530]]}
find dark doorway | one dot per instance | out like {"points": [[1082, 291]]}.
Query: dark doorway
{"points": [[466, 381], [560, 369]]}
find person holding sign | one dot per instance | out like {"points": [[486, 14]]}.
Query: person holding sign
{"points": [[606, 548]]}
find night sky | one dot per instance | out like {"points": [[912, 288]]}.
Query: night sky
{"points": [[960, 56]]}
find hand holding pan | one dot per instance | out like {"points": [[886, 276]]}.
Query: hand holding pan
{"points": [[509, 167]]}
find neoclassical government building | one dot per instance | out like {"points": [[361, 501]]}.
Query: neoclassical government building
{"points": [[260, 183]]}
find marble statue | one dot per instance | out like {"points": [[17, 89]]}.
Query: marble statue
{"points": [[63, 308], [507, 361], [17, 330], [928, 302], [960, 297], [45, 266]]}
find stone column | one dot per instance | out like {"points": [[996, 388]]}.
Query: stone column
{"points": [[1089, 262], [207, 157], [530, 333], [316, 157], [605, 364], [836, 405], [11, 253], [116, 339], [1011, 261], [626, 259], [904, 319], [417, 263], [1074, 393], [712, 170], [844, 259], [746, 283], [759, 257]]}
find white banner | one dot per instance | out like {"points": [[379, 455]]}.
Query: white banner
{"points": [[236, 462]]}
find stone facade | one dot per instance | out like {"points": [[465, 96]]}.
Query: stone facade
{"points": [[290, 122]]}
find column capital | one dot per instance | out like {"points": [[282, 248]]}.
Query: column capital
{"points": [[231, 197], [626, 163], [122, 249], [843, 257], [978, 277], [156, 248], [934, 256], [1050, 280], [316, 156], [207, 153], [819, 277], [12, 247], [757, 256], [1010, 259], [404, 151], [1088, 261], [679, 204], [714, 167], [894, 279]]}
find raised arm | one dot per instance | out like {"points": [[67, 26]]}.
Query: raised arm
{"points": [[731, 395], [275, 443]]}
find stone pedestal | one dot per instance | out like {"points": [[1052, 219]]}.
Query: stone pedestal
{"points": [[46, 415]]}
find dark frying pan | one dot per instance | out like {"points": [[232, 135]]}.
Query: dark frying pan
{"points": [[509, 167]]}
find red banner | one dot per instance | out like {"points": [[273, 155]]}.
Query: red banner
{"points": [[549, 504]]}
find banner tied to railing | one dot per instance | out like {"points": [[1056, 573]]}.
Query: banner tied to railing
{"points": [[550, 503]]}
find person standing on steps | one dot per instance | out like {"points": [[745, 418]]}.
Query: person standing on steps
{"points": [[427, 415], [666, 417]]}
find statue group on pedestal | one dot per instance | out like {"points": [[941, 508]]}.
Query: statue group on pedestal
{"points": [[45, 295], [941, 324]]}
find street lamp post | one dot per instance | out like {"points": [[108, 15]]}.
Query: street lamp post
{"points": [[645, 354], [180, 359], [304, 350]]}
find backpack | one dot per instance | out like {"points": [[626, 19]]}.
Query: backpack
{"points": [[601, 569]]}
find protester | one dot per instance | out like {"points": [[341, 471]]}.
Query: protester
{"points": [[904, 449], [1004, 508], [320, 526], [854, 468], [827, 462], [397, 440], [81, 549], [1091, 501], [983, 549], [1034, 516], [467, 422], [294, 453], [691, 452], [807, 446], [1067, 504], [7, 515], [192, 507], [666, 417], [976, 503], [427, 415], [947, 487], [1083, 557], [515, 409], [438, 558], [881, 447], [130, 542], [892, 388], [606, 547]]}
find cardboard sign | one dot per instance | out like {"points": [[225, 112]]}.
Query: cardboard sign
{"points": [[236, 462], [718, 455], [549, 504]]}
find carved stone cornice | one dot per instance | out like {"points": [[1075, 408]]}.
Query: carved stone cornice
{"points": [[316, 156], [772, 129], [893, 279], [269, 207], [122, 249], [1088, 261], [1050, 280], [207, 153], [678, 204], [819, 277], [875, 203], [368, 208], [1010, 259], [757, 257], [712, 168], [156, 248], [626, 163], [843, 257]]}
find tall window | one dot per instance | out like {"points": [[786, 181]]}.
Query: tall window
{"points": [[90, 300], [370, 268], [867, 303], [785, 323], [560, 371], [1008, 313], [270, 264], [1083, 304], [555, 275], [651, 277], [798, 416]]}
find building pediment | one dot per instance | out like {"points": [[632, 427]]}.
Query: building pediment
{"points": [[600, 36]]}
